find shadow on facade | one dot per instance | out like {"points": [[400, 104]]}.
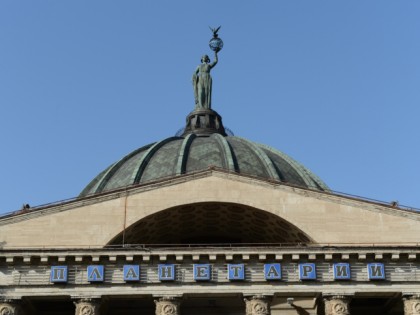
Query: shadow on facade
{"points": [[212, 223]]}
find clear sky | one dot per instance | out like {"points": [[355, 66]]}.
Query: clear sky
{"points": [[334, 84]]}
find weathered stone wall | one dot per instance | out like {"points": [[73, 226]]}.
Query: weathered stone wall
{"points": [[325, 218]]}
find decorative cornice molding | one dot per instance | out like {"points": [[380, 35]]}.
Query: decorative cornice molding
{"points": [[56, 207]]}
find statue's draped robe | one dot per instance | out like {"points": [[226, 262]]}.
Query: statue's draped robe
{"points": [[202, 84]]}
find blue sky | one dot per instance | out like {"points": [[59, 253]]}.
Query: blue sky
{"points": [[334, 84]]}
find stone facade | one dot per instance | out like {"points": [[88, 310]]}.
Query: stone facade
{"points": [[322, 216], [325, 229]]}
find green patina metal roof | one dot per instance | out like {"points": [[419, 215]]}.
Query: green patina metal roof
{"points": [[192, 152]]}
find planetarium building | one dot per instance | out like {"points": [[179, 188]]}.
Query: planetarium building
{"points": [[206, 222]]}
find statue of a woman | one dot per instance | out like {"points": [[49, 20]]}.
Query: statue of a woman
{"points": [[202, 82]]}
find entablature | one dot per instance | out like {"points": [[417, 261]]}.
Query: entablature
{"points": [[211, 253]]}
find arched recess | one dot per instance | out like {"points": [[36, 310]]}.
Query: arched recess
{"points": [[211, 223]]}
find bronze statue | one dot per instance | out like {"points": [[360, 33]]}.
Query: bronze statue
{"points": [[202, 82]]}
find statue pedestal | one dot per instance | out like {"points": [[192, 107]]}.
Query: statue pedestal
{"points": [[204, 121]]}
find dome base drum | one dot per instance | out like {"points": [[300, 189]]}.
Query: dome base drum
{"points": [[204, 121]]}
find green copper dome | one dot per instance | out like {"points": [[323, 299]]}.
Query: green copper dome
{"points": [[203, 144], [197, 150]]}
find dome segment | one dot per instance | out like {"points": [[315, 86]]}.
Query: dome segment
{"points": [[194, 152]]}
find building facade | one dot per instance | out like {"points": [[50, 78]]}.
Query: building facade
{"points": [[210, 223]]}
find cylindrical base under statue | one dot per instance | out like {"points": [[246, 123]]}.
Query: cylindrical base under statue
{"points": [[204, 121]]}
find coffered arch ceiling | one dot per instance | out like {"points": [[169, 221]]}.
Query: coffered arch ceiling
{"points": [[211, 223]]}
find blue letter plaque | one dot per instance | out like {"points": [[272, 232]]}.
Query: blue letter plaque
{"points": [[342, 271], [166, 272], [272, 271], [307, 271], [202, 272], [95, 273], [58, 274], [131, 272], [376, 271], [236, 272]]}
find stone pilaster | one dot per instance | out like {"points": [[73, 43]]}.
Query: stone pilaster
{"points": [[412, 304], [168, 306], [10, 307], [87, 306], [337, 305], [257, 305]]}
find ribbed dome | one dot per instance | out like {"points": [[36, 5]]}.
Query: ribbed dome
{"points": [[192, 152]]}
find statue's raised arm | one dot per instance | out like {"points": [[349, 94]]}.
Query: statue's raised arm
{"points": [[215, 60]]}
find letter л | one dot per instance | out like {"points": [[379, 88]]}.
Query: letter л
{"points": [[95, 273]]}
